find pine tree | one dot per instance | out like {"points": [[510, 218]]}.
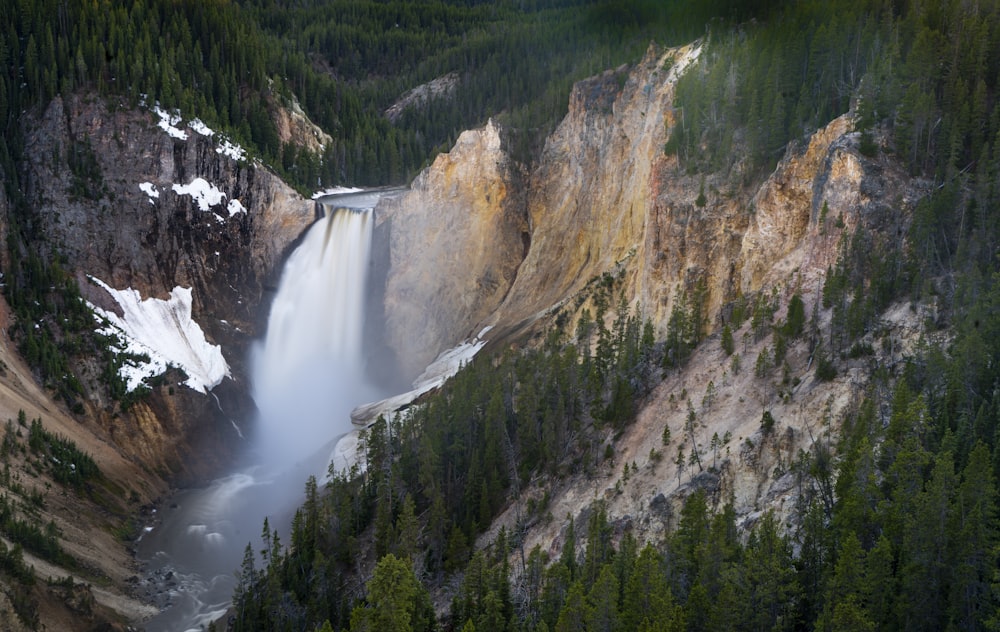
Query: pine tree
{"points": [[975, 549], [926, 567], [602, 611], [648, 602], [599, 550], [407, 531], [728, 345], [568, 555], [844, 607], [396, 601], [573, 616], [772, 590]]}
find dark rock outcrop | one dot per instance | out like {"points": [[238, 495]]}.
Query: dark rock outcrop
{"points": [[87, 160]]}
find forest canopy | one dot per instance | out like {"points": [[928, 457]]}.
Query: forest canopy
{"points": [[232, 63]]}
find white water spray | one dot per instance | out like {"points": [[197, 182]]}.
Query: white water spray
{"points": [[309, 374]]}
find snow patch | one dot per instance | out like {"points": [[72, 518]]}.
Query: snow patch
{"points": [[149, 189], [140, 363], [449, 362], [200, 127], [446, 365], [232, 150], [205, 194], [169, 121], [347, 451], [234, 207], [163, 332], [335, 191]]}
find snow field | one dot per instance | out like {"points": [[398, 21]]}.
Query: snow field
{"points": [[163, 331]]}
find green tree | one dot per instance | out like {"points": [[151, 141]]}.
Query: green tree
{"points": [[728, 345], [407, 531], [844, 607], [975, 550], [927, 566], [602, 613], [395, 601], [880, 584], [648, 603], [573, 615], [772, 589], [599, 549], [796, 319]]}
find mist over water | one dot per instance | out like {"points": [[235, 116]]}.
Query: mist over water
{"points": [[309, 372], [308, 375]]}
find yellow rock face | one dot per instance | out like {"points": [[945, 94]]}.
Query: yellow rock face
{"points": [[591, 198], [605, 198], [455, 241]]}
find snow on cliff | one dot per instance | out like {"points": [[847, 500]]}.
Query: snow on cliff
{"points": [[150, 189], [346, 453], [170, 120], [164, 332], [204, 193], [335, 191]]}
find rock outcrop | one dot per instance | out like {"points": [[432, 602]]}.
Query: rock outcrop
{"points": [[455, 241], [423, 95], [294, 127], [150, 205], [592, 194], [132, 225]]}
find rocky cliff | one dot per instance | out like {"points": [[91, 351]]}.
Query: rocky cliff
{"points": [[454, 243], [142, 199], [604, 199]]}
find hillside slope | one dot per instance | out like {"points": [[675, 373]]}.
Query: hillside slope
{"points": [[91, 521]]}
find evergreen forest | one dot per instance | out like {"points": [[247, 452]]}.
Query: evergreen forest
{"points": [[346, 61], [897, 528]]}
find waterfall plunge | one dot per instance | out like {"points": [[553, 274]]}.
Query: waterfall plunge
{"points": [[307, 377], [308, 374]]}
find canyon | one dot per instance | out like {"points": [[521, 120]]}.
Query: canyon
{"points": [[479, 245]]}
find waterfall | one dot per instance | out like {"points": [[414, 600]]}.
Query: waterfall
{"points": [[308, 373]]}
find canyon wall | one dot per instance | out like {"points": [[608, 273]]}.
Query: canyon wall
{"points": [[604, 199], [142, 199], [454, 242]]}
